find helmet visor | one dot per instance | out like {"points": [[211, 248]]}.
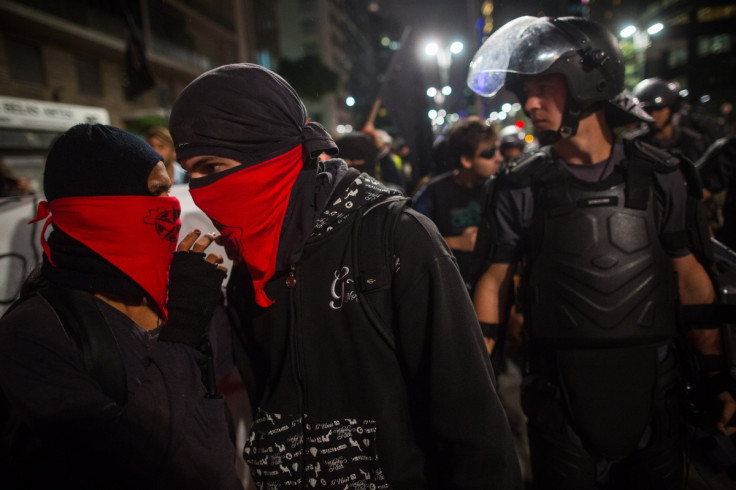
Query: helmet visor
{"points": [[525, 46]]}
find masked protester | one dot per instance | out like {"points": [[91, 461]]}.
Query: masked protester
{"points": [[102, 359], [401, 397], [600, 226]]}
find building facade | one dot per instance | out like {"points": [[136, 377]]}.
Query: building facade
{"points": [[129, 59]]}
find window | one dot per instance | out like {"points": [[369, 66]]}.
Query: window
{"points": [[308, 26], [677, 57], [89, 80], [718, 44], [25, 63]]}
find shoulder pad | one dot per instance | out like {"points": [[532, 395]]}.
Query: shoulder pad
{"points": [[661, 160], [526, 167], [691, 133], [635, 133]]}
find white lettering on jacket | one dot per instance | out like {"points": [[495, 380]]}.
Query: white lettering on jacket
{"points": [[339, 292]]}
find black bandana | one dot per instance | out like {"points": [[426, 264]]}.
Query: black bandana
{"points": [[244, 112]]}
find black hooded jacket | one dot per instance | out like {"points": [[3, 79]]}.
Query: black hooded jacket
{"points": [[336, 405]]}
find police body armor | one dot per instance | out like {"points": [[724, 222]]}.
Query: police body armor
{"points": [[598, 274], [600, 300]]}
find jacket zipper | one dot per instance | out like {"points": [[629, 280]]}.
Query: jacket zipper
{"points": [[296, 347]]}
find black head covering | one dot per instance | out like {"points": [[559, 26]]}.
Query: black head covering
{"points": [[98, 160], [94, 160], [251, 114], [358, 146]]}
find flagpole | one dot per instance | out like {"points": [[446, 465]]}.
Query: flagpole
{"points": [[374, 111]]}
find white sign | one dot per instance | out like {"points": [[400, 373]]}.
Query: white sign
{"points": [[20, 113], [20, 242]]}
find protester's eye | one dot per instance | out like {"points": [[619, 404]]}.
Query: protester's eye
{"points": [[211, 168]]}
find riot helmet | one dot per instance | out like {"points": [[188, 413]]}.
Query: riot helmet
{"points": [[511, 136], [511, 142], [582, 51], [655, 92]]}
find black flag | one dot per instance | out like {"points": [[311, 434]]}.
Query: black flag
{"points": [[138, 77], [403, 95]]}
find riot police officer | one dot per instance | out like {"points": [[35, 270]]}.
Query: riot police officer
{"points": [[661, 98], [598, 223], [511, 143]]}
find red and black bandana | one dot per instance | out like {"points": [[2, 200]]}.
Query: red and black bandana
{"points": [[267, 208], [248, 208], [136, 234]]}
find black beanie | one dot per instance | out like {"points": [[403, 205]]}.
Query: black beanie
{"points": [[98, 160]]}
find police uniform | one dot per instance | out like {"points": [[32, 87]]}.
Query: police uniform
{"points": [[602, 389]]}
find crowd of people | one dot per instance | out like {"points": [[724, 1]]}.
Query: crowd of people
{"points": [[544, 317]]}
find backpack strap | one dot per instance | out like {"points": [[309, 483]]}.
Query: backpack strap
{"points": [[83, 323], [373, 255]]}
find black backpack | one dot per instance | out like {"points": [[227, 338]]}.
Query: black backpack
{"points": [[83, 322], [372, 244]]}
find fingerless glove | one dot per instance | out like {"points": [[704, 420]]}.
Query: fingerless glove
{"points": [[195, 287]]}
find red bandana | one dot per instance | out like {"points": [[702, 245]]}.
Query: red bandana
{"points": [[136, 234], [248, 208]]}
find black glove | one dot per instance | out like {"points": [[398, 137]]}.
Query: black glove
{"points": [[195, 287]]}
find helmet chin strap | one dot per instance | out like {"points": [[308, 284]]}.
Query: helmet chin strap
{"points": [[571, 118], [568, 127]]}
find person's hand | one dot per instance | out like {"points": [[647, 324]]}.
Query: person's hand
{"points": [[515, 326], [370, 130], [194, 241], [490, 344], [728, 410], [467, 239], [195, 287]]}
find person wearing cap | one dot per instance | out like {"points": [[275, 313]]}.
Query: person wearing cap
{"points": [[102, 359], [403, 398], [596, 222], [366, 150]]}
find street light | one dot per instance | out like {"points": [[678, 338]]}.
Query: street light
{"points": [[628, 31], [456, 47], [444, 57], [641, 41], [443, 54], [655, 28]]}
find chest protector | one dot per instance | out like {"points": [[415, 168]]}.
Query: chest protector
{"points": [[598, 275]]}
